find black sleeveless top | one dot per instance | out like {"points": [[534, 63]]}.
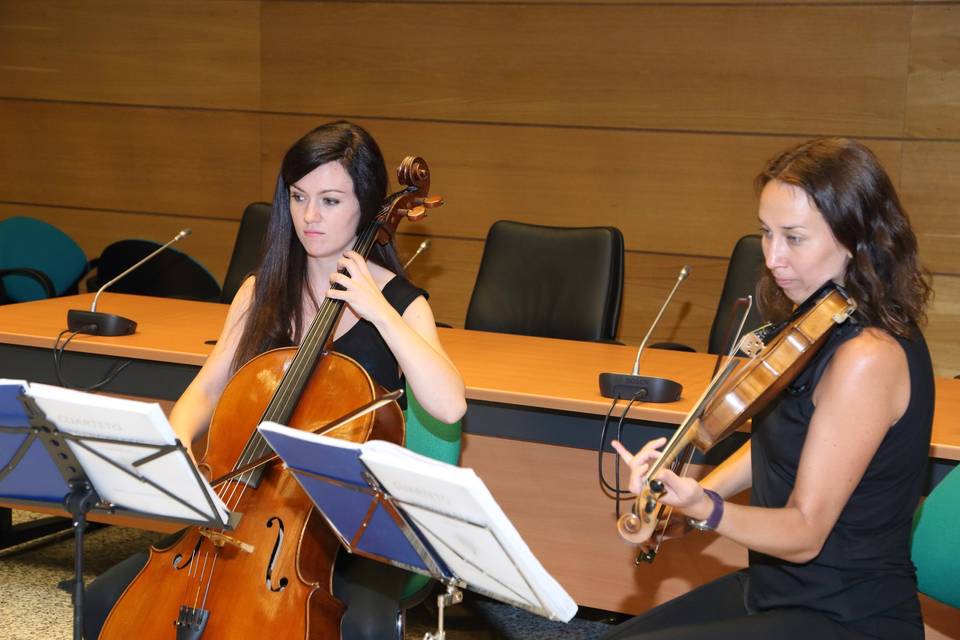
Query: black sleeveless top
{"points": [[863, 576], [364, 343]]}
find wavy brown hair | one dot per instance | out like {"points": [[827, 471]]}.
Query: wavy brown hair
{"points": [[847, 184], [275, 315]]}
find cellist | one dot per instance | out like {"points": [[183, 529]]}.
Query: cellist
{"points": [[332, 182], [836, 462]]}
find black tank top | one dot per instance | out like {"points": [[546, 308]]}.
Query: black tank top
{"points": [[863, 576], [364, 343]]}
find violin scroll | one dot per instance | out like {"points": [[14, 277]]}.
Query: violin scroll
{"points": [[638, 525]]}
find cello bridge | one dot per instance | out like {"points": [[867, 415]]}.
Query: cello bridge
{"points": [[220, 539]]}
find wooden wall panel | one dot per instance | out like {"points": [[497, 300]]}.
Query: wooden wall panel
{"points": [[185, 162], [943, 326], [668, 192], [824, 69], [210, 243], [930, 190], [196, 54], [933, 89]]}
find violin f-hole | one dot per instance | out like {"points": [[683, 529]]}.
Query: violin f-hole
{"points": [[282, 582]]}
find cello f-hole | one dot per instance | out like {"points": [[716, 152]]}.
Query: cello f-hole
{"points": [[186, 563], [282, 583]]}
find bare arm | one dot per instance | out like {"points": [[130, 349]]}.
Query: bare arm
{"points": [[192, 412], [733, 475], [412, 338]]}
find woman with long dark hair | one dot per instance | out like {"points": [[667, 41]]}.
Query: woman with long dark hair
{"points": [[331, 184], [836, 462]]}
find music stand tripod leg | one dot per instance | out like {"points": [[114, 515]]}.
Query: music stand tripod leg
{"points": [[78, 502], [451, 597]]}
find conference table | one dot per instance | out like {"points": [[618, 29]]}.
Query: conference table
{"points": [[531, 432]]}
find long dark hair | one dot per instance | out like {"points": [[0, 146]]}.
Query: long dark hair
{"points": [[846, 182], [275, 316]]}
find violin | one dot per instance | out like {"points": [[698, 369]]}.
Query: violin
{"points": [[776, 355], [274, 570]]}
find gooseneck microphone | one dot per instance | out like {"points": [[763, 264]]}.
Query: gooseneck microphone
{"points": [[107, 324], [423, 247], [644, 388]]}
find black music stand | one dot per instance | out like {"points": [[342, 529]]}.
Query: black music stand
{"points": [[49, 461], [389, 504]]}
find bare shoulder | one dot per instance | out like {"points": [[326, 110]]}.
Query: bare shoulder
{"points": [[381, 275], [873, 351], [871, 367], [243, 297]]}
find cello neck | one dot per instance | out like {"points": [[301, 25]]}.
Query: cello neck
{"points": [[314, 340]]}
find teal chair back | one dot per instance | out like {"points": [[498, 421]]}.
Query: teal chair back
{"points": [[429, 437], [934, 547], [28, 243]]}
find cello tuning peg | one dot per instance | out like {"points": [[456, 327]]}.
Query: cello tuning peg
{"points": [[416, 213], [430, 201]]}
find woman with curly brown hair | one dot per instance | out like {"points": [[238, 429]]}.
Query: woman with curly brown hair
{"points": [[836, 462]]}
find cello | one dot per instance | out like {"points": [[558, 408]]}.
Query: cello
{"points": [[776, 356], [274, 570]]}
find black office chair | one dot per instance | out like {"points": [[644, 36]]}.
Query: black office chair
{"points": [[556, 282], [247, 249], [743, 273], [169, 274]]}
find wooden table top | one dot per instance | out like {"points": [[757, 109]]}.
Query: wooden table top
{"points": [[509, 369]]}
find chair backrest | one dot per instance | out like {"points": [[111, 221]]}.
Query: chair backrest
{"points": [[34, 245], [743, 273], [169, 274], [556, 282], [934, 544], [247, 248], [429, 437]]}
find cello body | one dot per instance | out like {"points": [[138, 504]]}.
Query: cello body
{"points": [[272, 573], [283, 582]]}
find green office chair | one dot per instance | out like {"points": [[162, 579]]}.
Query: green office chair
{"points": [[371, 603], [934, 544]]}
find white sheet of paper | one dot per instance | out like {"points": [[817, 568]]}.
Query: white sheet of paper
{"points": [[437, 495], [132, 424]]}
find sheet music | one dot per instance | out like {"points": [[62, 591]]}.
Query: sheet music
{"points": [[459, 518], [496, 559], [141, 427]]}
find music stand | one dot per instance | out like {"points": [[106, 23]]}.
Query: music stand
{"points": [[389, 504], [84, 453]]}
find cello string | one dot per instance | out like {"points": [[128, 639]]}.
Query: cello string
{"points": [[282, 401], [292, 381], [300, 369]]}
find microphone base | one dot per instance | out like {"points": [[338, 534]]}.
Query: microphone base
{"points": [[626, 386], [99, 324]]}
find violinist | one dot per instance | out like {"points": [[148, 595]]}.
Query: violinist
{"points": [[835, 463], [332, 182]]}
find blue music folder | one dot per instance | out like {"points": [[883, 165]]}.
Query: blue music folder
{"points": [[27, 474], [396, 506], [360, 513]]}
